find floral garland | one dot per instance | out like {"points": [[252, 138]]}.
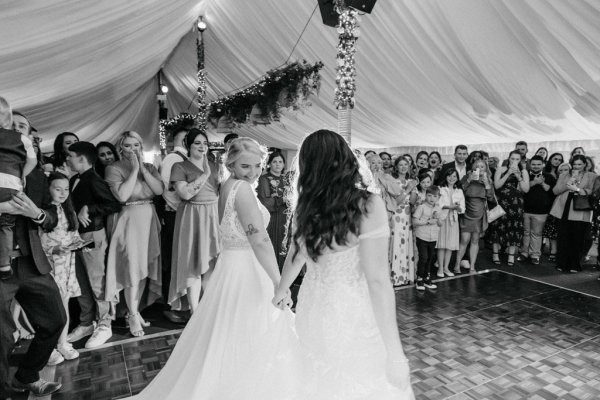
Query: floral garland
{"points": [[294, 81], [346, 70]]}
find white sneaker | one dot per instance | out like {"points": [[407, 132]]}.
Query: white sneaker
{"points": [[67, 351], [80, 332], [101, 334], [55, 358], [464, 264]]}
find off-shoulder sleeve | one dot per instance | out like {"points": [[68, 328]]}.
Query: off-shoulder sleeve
{"points": [[178, 173], [381, 232]]}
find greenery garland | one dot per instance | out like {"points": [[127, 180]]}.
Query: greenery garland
{"points": [[294, 81], [288, 86]]}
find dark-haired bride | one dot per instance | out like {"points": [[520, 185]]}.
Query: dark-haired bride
{"points": [[346, 313], [238, 346]]}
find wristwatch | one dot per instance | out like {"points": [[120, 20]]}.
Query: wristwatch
{"points": [[40, 217]]}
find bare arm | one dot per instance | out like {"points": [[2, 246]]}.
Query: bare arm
{"points": [[251, 218], [30, 164], [374, 263], [524, 183], [154, 181], [122, 189], [291, 269]]}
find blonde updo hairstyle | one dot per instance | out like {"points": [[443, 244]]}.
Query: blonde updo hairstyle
{"points": [[244, 144], [129, 134]]}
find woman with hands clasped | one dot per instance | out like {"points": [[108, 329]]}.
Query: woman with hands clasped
{"points": [[196, 236], [478, 190], [510, 182], [134, 253], [346, 315]]}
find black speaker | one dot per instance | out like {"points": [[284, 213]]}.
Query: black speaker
{"points": [[330, 17], [361, 5], [163, 113], [328, 14]]}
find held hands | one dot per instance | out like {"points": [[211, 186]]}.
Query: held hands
{"points": [[206, 166], [282, 298]]}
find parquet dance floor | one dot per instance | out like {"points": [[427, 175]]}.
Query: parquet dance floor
{"points": [[489, 336]]}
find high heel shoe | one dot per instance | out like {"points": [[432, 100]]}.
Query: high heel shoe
{"points": [[495, 258], [511, 260], [135, 324]]}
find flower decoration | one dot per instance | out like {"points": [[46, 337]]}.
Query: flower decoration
{"points": [[346, 71]]}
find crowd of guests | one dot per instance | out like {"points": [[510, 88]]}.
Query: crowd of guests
{"points": [[439, 212], [114, 233], [97, 224]]}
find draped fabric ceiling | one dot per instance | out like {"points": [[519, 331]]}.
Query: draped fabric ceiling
{"points": [[430, 73]]}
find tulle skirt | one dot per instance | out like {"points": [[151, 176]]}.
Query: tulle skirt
{"points": [[237, 345]]}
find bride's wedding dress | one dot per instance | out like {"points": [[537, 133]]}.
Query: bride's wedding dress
{"points": [[237, 345], [341, 345]]}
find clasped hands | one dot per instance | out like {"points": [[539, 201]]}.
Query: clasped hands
{"points": [[282, 298]]}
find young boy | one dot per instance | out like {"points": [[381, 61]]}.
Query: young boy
{"points": [[17, 160], [93, 202], [426, 227]]}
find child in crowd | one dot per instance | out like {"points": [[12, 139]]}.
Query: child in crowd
{"points": [[59, 245], [17, 160], [425, 181], [427, 227], [452, 202]]}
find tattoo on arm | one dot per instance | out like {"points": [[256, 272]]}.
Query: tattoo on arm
{"points": [[266, 239], [251, 230]]}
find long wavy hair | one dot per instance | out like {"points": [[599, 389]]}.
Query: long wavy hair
{"points": [[98, 166], [67, 206], [59, 153], [331, 193]]}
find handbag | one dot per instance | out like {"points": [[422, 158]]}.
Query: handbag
{"points": [[495, 212], [582, 203]]}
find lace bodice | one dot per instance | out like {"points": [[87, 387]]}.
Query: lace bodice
{"points": [[233, 234]]}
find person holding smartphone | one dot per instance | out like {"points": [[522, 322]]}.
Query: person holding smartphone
{"points": [[93, 202], [510, 182]]}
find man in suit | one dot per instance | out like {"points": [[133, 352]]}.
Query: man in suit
{"points": [[459, 164], [34, 288]]}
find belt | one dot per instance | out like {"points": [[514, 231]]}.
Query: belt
{"points": [[201, 203], [137, 203]]}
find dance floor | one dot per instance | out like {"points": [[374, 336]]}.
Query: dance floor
{"points": [[492, 336]]}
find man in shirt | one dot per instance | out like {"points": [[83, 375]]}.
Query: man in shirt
{"points": [[93, 202], [459, 164], [172, 201], [536, 204]]}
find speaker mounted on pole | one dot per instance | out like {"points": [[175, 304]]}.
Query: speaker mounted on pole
{"points": [[330, 16]]}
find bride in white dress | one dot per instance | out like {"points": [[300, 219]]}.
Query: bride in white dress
{"points": [[346, 314], [236, 345]]}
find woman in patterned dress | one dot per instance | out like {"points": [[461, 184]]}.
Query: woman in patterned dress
{"points": [[510, 182], [555, 167], [399, 193], [271, 187]]}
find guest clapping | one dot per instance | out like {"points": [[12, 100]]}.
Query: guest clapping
{"points": [[196, 240], [134, 252]]}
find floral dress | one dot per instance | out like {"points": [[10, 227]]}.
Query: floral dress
{"points": [[508, 229], [401, 256], [63, 264], [271, 190]]}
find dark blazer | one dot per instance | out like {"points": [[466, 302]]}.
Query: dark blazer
{"points": [[26, 231]]}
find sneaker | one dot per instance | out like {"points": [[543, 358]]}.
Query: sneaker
{"points": [[67, 351], [55, 358], [38, 388], [101, 334], [428, 284], [522, 257], [464, 264], [420, 285], [80, 332], [535, 261]]}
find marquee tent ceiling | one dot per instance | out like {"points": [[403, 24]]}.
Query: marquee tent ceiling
{"points": [[430, 73]]}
